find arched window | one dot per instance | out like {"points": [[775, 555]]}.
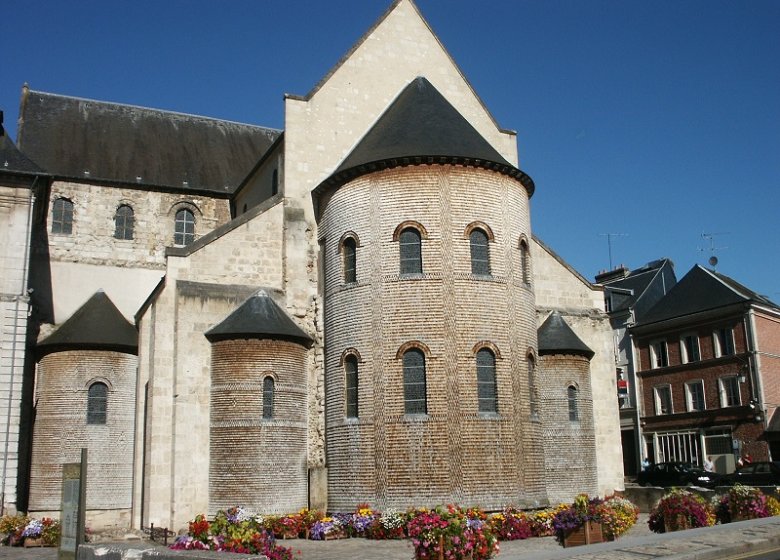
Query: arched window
{"points": [[480, 254], [532, 385], [268, 397], [351, 379], [124, 222], [62, 216], [486, 381], [97, 403], [572, 397], [415, 400], [525, 263], [184, 230], [275, 182], [411, 251], [350, 260]]}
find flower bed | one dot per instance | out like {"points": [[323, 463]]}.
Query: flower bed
{"points": [[744, 502], [21, 530], [678, 510]]}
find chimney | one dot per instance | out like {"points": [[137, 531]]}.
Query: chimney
{"points": [[618, 273]]}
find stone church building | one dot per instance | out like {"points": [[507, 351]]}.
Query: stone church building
{"points": [[353, 309]]}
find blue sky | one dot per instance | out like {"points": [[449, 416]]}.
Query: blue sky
{"points": [[658, 121]]}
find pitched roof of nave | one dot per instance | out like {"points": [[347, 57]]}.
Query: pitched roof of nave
{"points": [[421, 127], [12, 160], [96, 325], [555, 336], [259, 317], [99, 141]]}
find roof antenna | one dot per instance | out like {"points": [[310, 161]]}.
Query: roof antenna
{"points": [[713, 260], [609, 237]]}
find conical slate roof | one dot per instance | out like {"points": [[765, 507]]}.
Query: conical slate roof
{"points": [[556, 337], [259, 317], [420, 127], [96, 325]]}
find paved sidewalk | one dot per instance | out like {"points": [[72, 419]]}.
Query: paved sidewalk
{"points": [[709, 543]]}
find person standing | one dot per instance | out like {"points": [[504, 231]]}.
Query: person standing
{"points": [[708, 465]]}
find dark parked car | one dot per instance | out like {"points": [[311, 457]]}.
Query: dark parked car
{"points": [[756, 474], [677, 474]]}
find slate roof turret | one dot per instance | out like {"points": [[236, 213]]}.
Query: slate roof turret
{"points": [[555, 336], [96, 325], [421, 127], [259, 317]]}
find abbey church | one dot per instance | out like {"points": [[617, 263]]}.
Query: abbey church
{"points": [[350, 310]]}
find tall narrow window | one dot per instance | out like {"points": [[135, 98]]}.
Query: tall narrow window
{"points": [[729, 391], [268, 397], [411, 251], [415, 399], [62, 216], [531, 363], [724, 342], [525, 263], [689, 346], [350, 260], [480, 254], [574, 413], [486, 381], [659, 356], [97, 403], [124, 222], [351, 373], [663, 399], [695, 395], [275, 182], [184, 232]]}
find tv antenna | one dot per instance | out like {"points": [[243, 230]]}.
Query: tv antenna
{"points": [[609, 237], [710, 237]]}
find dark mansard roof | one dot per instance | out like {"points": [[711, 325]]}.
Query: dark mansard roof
{"points": [[96, 325], [259, 317], [98, 141], [421, 127], [556, 337], [702, 290]]}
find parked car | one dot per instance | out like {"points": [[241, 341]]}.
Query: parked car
{"points": [[677, 474], [762, 473]]}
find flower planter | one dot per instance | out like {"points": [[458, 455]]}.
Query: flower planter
{"points": [[590, 533], [677, 523], [287, 534], [30, 543], [335, 535]]}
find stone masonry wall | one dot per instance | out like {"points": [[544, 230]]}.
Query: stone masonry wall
{"points": [[257, 462], [558, 287], [61, 430], [453, 453], [570, 447]]}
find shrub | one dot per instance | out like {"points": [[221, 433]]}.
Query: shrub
{"points": [[680, 509], [510, 525], [449, 533], [618, 515], [742, 502]]}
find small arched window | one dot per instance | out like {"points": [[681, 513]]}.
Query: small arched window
{"points": [[480, 254], [525, 262], [97, 403], [486, 381], [351, 379], [415, 398], [572, 398], [62, 216], [350, 260], [184, 228], [268, 397], [124, 222], [410, 243]]}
